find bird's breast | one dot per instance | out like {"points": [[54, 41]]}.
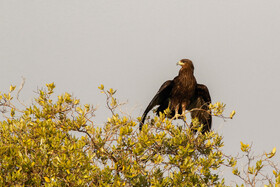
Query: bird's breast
{"points": [[184, 87]]}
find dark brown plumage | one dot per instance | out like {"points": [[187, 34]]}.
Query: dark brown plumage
{"points": [[181, 94]]}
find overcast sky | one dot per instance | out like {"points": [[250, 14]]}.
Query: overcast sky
{"points": [[133, 46]]}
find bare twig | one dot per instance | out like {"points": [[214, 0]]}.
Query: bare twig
{"points": [[19, 90]]}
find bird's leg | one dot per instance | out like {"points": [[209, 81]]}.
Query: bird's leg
{"points": [[184, 112], [177, 115]]}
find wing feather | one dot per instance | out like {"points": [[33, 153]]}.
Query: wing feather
{"points": [[200, 105], [160, 97]]}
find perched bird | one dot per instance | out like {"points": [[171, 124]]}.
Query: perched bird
{"points": [[181, 94]]}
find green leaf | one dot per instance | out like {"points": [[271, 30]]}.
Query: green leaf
{"points": [[259, 165], [275, 173], [12, 88], [101, 87], [78, 109], [232, 114], [12, 112], [244, 147], [273, 150], [251, 170], [47, 179], [113, 102], [76, 102], [235, 171]]}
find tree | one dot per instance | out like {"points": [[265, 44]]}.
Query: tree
{"points": [[40, 145]]}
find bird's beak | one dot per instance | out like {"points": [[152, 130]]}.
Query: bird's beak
{"points": [[180, 63]]}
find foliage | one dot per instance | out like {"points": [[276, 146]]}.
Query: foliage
{"points": [[54, 142], [254, 172]]}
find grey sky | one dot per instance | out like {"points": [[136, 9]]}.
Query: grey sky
{"points": [[133, 46]]}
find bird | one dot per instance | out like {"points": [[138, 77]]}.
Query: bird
{"points": [[181, 94]]}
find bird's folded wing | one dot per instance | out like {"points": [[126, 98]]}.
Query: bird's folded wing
{"points": [[203, 92], [200, 107]]}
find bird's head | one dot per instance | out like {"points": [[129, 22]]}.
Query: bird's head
{"points": [[186, 63]]}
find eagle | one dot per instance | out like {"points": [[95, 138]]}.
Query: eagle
{"points": [[181, 94]]}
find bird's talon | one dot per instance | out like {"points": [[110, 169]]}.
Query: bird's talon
{"points": [[176, 116]]}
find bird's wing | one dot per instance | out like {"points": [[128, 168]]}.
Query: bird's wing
{"points": [[203, 92], [200, 106], [162, 94]]}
